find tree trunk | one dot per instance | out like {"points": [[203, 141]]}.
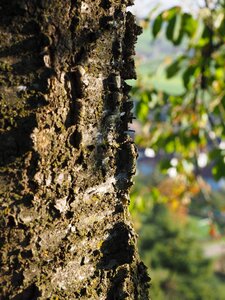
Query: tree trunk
{"points": [[66, 158]]}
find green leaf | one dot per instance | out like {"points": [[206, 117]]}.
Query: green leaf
{"points": [[170, 28], [188, 75], [165, 164], [170, 13], [142, 108], [198, 34], [189, 24], [173, 69], [157, 24], [177, 28], [218, 171]]}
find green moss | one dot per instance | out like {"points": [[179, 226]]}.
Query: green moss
{"points": [[5, 67], [11, 112]]}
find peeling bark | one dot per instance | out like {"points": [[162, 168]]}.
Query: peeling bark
{"points": [[66, 160]]}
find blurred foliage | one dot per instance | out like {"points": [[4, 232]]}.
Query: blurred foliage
{"points": [[210, 205], [177, 266], [176, 192], [185, 127], [190, 124]]}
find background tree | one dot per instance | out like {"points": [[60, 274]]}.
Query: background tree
{"points": [[66, 159], [175, 258]]}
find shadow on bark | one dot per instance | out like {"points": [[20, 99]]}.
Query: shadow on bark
{"points": [[24, 83], [116, 290], [16, 142], [30, 293], [117, 249]]}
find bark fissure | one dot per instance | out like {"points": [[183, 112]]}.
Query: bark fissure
{"points": [[66, 157]]}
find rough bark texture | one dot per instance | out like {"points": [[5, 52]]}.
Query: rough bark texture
{"points": [[66, 159]]}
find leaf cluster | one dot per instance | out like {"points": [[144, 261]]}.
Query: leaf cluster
{"points": [[192, 123]]}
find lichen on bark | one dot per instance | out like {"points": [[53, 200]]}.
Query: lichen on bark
{"points": [[66, 160]]}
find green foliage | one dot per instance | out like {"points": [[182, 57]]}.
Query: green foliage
{"points": [[143, 106], [182, 121], [157, 25], [178, 268], [192, 122], [210, 204]]}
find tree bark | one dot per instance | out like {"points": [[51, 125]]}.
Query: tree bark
{"points": [[66, 158]]}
